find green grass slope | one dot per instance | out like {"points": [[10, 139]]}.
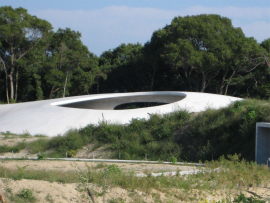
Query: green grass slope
{"points": [[177, 136]]}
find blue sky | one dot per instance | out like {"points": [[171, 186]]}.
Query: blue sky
{"points": [[105, 24]]}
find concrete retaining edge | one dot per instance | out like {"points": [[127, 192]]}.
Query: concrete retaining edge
{"points": [[173, 173], [103, 160]]}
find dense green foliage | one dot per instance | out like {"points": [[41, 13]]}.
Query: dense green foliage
{"points": [[226, 131], [177, 136], [205, 136], [194, 53]]}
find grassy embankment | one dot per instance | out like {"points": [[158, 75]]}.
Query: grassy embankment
{"points": [[179, 135]]}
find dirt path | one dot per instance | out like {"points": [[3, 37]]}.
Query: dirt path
{"points": [[68, 165]]}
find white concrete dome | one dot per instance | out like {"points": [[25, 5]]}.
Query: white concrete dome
{"points": [[56, 116]]}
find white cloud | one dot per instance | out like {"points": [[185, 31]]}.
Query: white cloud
{"points": [[107, 28], [231, 12]]}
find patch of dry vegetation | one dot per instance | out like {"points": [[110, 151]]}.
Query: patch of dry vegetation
{"points": [[233, 177]]}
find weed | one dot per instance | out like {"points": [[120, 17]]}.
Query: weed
{"points": [[38, 145], [174, 160], [7, 133], [49, 198], [117, 200], [71, 153], [83, 179], [15, 149], [100, 165], [41, 156], [6, 182], [243, 198], [40, 135], [237, 106], [26, 194], [25, 134], [112, 169]]}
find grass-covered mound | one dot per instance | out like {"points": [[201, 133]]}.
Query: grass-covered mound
{"points": [[179, 135], [230, 130]]}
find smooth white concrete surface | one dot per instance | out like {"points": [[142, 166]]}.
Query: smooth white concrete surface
{"points": [[262, 150], [54, 117]]}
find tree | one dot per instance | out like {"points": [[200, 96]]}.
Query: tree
{"points": [[85, 76], [266, 53], [121, 68], [262, 84], [19, 33], [67, 53], [5, 70], [201, 49]]}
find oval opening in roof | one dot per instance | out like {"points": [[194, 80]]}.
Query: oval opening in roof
{"points": [[125, 102]]}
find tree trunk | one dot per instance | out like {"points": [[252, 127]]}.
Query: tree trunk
{"points": [[188, 80], [226, 89], [6, 75], [223, 83], [203, 82], [153, 79], [11, 86], [39, 92], [266, 60], [16, 85], [7, 89], [64, 93], [11, 74], [227, 85], [51, 93], [97, 88]]}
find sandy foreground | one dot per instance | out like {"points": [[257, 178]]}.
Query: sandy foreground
{"points": [[45, 191], [59, 192]]}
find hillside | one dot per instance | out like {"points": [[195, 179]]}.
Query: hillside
{"points": [[179, 135]]}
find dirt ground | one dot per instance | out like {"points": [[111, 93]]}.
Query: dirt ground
{"points": [[56, 192], [59, 192], [69, 165]]}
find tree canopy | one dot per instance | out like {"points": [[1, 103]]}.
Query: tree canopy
{"points": [[19, 33], [203, 53]]}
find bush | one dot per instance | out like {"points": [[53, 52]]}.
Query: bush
{"points": [[243, 199], [229, 130], [26, 193], [41, 156]]}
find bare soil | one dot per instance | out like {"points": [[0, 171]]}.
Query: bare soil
{"points": [[46, 191]]}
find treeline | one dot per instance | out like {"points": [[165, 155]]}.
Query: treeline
{"points": [[203, 53]]}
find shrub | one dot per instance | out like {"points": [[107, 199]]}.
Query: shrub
{"points": [[224, 131], [26, 193], [174, 160], [41, 156], [242, 198]]}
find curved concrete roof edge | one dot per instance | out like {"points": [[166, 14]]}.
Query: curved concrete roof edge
{"points": [[48, 118]]}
